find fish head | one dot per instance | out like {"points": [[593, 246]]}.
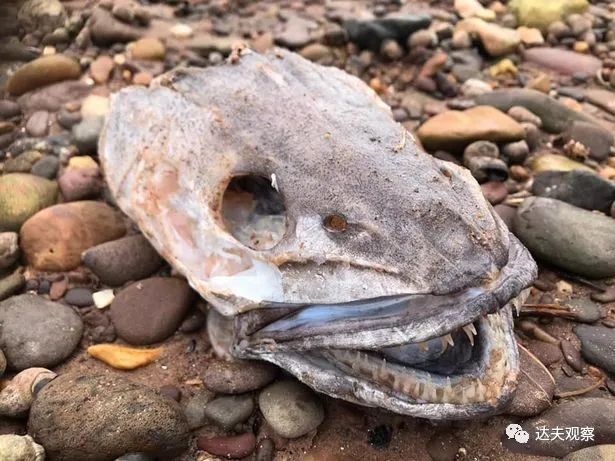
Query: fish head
{"points": [[324, 238]]}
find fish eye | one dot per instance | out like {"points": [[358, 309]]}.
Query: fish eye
{"points": [[335, 222], [253, 211]]}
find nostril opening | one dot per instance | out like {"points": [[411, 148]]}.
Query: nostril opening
{"points": [[253, 211], [335, 223]]}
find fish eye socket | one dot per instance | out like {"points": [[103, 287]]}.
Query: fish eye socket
{"points": [[253, 211], [335, 223]]}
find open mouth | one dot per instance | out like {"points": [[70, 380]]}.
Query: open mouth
{"points": [[471, 364], [428, 355]]}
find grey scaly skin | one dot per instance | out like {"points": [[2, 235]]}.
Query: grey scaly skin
{"points": [[405, 305]]}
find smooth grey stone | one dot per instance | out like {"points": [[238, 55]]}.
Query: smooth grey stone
{"points": [[568, 237], [583, 189], [555, 116], [598, 345], [36, 332]]}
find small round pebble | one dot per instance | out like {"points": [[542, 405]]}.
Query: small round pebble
{"points": [[291, 408], [238, 377], [194, 409], [233, 447], [229, 411], [171, 392], [80, 297]]}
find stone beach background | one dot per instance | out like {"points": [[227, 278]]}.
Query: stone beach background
{"points": [[104, 353]]}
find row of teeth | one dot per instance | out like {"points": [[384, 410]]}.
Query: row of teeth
{"points": [[422, 389], [447, 340]]}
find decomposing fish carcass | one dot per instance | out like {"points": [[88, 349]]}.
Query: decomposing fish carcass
{"points": [[326, 241]]}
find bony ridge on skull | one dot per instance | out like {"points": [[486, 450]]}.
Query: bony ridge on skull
{"points": [[325, 239]]}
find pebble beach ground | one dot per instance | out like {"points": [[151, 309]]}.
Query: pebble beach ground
{"points": [[104, 352]]}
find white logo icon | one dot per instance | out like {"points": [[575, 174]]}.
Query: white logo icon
{"points": [[515, 431]]}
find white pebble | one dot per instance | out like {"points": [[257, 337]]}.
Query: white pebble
{"points": [[181, 31], [103, 298]]}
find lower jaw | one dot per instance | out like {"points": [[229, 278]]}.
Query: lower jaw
{"points": [[486, 381]]}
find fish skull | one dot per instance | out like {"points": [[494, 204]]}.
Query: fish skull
{"points": [[325, 239]]}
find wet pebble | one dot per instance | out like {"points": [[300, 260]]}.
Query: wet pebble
{"points": [[150, 310], [38, 124], [583, 309], [37, 332], [598, 413], [11, 284], [80, 297], [123, 260], [515, 152], [265, 450], [535, 388], [148, 49], [238, 377], [598, 345], [9, 109], [229, 411], [23, 162], [572, 355], [194, 408], [494, 191], [80, 184], [171, 392], [101, 69], [35, 194], [230, 447], [54, 238], [9, 249], [20, 448], [569, 237], [454, 130], [547, 353], [291, 408], [597, 139], [43, 71], [598, 193], [17, 396], [85, 134], [46, 167], [82, 405]]}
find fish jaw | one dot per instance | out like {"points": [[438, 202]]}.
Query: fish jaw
{"points": [[459, 363]]}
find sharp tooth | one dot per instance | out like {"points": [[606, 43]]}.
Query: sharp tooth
{"points": [[448, 391], [406, 384], [480, 390], [463, 396], [469, 333], [449, 339], [426, 394], [471, 393], [424, 346], [396, 382], [383, 371], [417, 390]]}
